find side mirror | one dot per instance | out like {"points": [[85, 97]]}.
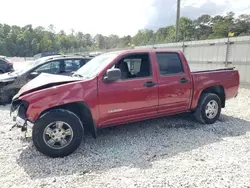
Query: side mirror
{"points": [[72, 73], [112, 75], [33, 75]]}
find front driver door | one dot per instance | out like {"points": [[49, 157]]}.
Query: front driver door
{"points": [[133, 97]]}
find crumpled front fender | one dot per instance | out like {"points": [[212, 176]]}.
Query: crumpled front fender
{"points": [[41, 100]]}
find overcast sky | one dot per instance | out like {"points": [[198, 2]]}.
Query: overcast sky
{"points": [[121, 17]]}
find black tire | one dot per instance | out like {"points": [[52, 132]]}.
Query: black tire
{"points": [[200, 111], [53, 116]]}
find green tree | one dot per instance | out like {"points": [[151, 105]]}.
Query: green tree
{"points": [[187, 29], [161, 35], [202, 27], [27, 41], [143, 37], [242, 25], [221, 25], [125, 41], [100, 41]]}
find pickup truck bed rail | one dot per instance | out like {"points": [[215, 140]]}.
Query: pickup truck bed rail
{"points": [[212, 70]]}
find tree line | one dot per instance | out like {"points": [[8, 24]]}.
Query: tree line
{"points": [[27, 41]]}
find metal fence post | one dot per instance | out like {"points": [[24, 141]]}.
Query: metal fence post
{"points": [[227, 51], [183, 47], [183, 42]]}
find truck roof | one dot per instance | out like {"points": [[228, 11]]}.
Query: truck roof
{"points": [[144, 50]]}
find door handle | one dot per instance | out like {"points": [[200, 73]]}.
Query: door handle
{"points": [[183, 80], [149, 84]]}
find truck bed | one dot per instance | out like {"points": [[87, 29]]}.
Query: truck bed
{"points": [[228, 78]]}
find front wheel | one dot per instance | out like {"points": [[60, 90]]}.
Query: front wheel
{"points": [[208, 109], [57, 133]]}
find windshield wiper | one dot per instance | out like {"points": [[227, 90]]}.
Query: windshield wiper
{"points": [[77, 75]]}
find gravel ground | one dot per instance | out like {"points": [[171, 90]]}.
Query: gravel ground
{"points": [[167, 152]]}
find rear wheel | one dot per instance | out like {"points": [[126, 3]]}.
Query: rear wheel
{"points": [[57, 133], [208, 109]]}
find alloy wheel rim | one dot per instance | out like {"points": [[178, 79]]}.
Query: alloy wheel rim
{"points": [[211, 109], [58, 135]]}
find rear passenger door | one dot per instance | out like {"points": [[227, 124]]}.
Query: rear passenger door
{"points": [[174, 83]]}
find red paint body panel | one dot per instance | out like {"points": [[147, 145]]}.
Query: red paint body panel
{"points": [[45, 79], [174, 97], [72, 92], [229, 80], [130, 96], [126, 101]]}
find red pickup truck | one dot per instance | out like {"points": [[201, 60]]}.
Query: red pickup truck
{"points": [[116, 88]]}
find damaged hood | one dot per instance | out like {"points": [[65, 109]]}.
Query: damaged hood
{"points": [[45, 80]]}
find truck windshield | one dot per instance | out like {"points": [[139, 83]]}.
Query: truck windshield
{"points": [[95, 65]]}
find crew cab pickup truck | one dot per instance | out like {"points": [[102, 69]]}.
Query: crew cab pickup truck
{"points": [[117, 88]]}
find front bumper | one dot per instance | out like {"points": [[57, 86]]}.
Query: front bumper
{"points": [[18, 116]]}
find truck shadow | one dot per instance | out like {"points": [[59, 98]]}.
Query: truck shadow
{"points": [[135, 145]]}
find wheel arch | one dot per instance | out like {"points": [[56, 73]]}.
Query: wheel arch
{"points": [[218, 90], [82, 110]]}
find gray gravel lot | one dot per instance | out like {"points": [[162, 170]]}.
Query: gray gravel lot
{"points": [[167, 152]]}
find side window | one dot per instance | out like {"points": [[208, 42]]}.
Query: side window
{"points": [[169, 63], [72, 64], [51, 67], [135, 66]]}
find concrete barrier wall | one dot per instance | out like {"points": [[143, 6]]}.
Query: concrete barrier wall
{"points": [[215, 53]]}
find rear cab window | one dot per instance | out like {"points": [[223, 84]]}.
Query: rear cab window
{"points": [[169, 63]]}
